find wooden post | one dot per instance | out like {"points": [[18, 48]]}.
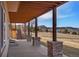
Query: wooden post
{"points": [[54, 24], [15, 26], [19, 36], [29, 36], [55, 48], [28, 28], [11, 30], [36, 39], [25, 29], [15, 30], [31, 29], [21, 31], [36, 33]]}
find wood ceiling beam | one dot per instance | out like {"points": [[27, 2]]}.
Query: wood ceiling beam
{"points": [[37, 4], [47, 10], [30, 10], [43, 2]]}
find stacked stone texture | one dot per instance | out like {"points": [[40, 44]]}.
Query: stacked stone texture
{"points": [[55, 49], [36, 41]]}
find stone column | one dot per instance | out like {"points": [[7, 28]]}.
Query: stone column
{"points": [[25, 30], [55, 48], [15, 30], [19, 36], [36, 39], [29, 36]]}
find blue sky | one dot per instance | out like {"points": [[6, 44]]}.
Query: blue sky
{"points": [[67, 16]]}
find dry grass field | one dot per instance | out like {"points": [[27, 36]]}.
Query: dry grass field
{"points": [[70, 42]]}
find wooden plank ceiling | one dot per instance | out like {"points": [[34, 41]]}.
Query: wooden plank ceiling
{"points": [[27, 10]]}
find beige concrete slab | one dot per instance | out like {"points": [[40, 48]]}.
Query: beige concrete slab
{"points": [[22, 48]]}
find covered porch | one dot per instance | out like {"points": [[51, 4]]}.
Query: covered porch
{"points": [[30, 46]]}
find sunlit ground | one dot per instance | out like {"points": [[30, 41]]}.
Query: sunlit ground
{"points": [[70, 42]]}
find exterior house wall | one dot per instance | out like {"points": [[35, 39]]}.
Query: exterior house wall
{"points": [[6, 24]]}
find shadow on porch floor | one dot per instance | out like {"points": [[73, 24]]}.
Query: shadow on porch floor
{"points": [[22, 48]]}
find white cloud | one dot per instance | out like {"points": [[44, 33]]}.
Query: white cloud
{"points": [[63, 16], [49, 15], [66, 8], [46, 15]]}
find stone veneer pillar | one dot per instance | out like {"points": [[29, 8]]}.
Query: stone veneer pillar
{"points": [[55, 48], [28, 36], [36, 41]]}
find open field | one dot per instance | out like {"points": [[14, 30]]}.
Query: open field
{"points": [[70, 42]]}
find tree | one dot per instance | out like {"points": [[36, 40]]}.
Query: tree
{"points": [[74, 33], [66, 31]]}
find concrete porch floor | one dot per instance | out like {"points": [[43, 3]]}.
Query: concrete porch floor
{"points": [[22, 48]]}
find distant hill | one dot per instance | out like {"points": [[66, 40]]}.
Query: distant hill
{"points": [[69, 30], [44, 28]]}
